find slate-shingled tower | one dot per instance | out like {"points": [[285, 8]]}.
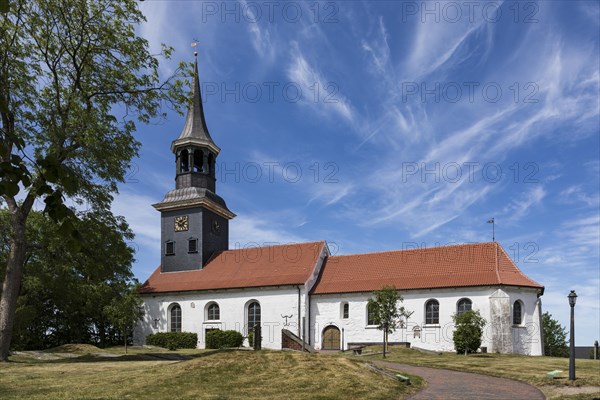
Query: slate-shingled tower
{"points": [[194, 219]]}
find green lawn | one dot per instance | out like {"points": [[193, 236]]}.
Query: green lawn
{"points": [[197, 374], [524, 368]]}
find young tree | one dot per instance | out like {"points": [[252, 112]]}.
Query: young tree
{"points": [[125, 313], [468, 331], [74, 79], [555, 337], [385, 313]]}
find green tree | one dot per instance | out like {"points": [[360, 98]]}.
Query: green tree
{"points": [[555, 337], [124, 313], [468, 331], [385, 313], [64, 291], [74, 79]]}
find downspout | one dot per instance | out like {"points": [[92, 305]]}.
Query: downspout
{"points": [[539, 307], [307, 318], [299, 309]]}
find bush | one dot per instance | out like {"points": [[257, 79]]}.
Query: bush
{"points": [[250, 339], [173, 340], [218, 339], [468, 332]]}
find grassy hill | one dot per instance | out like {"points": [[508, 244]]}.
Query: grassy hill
{"points": [[89, 373]]}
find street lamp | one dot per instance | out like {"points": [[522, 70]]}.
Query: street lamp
{"points": [[572, 300]]}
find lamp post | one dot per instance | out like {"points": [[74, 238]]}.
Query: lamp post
{"points": [[572, 299]]}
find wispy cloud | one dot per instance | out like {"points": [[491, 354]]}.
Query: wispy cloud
{"points": [[320, 93], [518, 208]]}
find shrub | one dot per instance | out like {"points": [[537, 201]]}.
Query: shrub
{"points": [[173, 340], [218, 339], [250, 339], [468, 332]]}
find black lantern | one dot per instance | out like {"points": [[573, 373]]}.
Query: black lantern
{"points": [[572, 300]]}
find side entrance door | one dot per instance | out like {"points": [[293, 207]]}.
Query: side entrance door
{"points": [[331, 338]]}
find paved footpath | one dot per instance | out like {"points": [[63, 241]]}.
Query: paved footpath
{"points": [[444, 384]]}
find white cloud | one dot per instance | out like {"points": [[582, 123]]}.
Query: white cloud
{"points": [[251, 230], [317, 91]]}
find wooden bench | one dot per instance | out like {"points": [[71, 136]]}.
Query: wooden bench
{"points": [[357, 350], [403, 378], [552, 374]]}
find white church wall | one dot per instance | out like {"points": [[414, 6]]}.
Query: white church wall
{"points": [[327, 310], [275, 302]]}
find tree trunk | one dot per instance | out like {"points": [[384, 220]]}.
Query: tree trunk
{"points": [[384, 343], [12, 280], [125, 334]]}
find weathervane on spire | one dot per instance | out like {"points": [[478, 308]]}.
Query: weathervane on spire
{"points": [[194, 44], [493, 222]]}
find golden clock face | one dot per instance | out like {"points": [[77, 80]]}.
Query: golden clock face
{"points": [[182, 223]]}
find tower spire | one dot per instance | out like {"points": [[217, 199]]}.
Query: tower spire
{"points": [[195, 131]]}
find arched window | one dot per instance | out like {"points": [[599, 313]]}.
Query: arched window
{"points": [[253, 315], [345, 310], [198, 161], [184, 161], [464, 305], [517, 312], [175, 318], [371, 311], [211, 163], [213, 312], [432, 312]]}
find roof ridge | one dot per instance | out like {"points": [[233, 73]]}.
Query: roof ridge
{"points": [[497, 264], [407, 250], [277, 245]]}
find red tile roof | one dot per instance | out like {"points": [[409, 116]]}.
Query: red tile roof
{"points": [[290, 264], [436, 267]]}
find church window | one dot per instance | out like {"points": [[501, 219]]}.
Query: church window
{"points": [[192, 245], [464, 305], [253, 315], [213, 312], [198, 161], [432, 312], [175, 318], [169, 248], [371, 310], [517, 313], [345, 310], [184, 161]]}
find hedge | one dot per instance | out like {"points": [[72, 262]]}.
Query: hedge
{"points": [[218, 339], [173, 340]]}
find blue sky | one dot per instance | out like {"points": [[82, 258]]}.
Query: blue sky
{"points": [[385, 125]]}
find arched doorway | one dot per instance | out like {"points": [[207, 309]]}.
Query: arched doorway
{"points": [[331, 338]]}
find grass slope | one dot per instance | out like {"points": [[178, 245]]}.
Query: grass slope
{"points": [[230, 374]]}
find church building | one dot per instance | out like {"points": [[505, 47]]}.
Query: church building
{"points": [[301, 295]]}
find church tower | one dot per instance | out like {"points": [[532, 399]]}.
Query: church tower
{"points": [[194, 219]]}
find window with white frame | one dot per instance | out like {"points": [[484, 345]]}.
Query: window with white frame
{"points": [[213, 312], [175, 318], [345, 311], [432, 312], [371, 312], [517, 312], [464, 305]]}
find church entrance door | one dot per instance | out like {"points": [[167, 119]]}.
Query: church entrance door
{"points": [[331, 338]]}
